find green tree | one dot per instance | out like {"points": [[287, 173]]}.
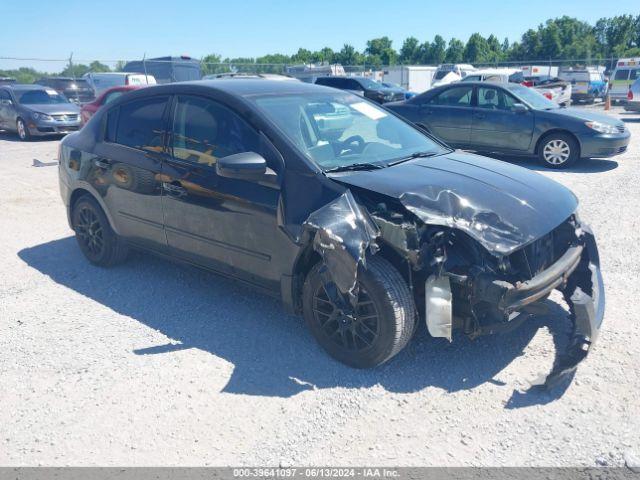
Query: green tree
{"points": [[455, 51], [409, 51], [438, 50], [381, 50], [476, 50], [348, 55]]}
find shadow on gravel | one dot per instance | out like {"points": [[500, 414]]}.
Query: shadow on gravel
{"points": [[13, 137], [584, 165], [272, 352]]}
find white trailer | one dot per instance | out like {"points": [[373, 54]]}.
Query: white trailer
{"points": [[415, 78]]}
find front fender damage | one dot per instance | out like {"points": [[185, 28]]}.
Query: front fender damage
{"points": [[342, 232]]}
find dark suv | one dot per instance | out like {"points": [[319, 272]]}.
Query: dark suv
{"points": [[366, 227], [77, 90], [363, 86]]}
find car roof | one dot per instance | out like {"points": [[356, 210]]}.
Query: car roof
{"points": [[24, 86], [252, 86]]}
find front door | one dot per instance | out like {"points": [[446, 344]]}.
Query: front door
{"points": [[126, 169], [7, 110], [228, 225], [448, 115], [497, 125]]}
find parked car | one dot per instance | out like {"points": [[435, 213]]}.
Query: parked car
{"points": [[495, 75], [167, 69], [364, 234], [514, 119], [268, 76], [362, 86], [105, 80], [35, 111], [7, 81], [633, 97], [553, 88], [88, 109], [77, 90], [586, 85], [626, 72], [407, 94]]}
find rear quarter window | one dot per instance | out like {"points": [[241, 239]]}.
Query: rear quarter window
{"points": [[138, 124]]}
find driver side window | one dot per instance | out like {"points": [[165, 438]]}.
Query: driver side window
{"points": [[204, 130]]}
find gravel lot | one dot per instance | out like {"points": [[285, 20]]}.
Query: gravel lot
{"points": [[153, 363]]}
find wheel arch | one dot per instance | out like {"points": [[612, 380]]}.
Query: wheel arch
{"points": [[552, 131], [82, 191]]}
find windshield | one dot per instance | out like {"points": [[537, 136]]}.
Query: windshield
{"points": [[340, 129], [532, 98], [40, 97], [440, 74]]}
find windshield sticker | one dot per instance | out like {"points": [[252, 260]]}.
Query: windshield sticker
{"points": [[369, 110]]}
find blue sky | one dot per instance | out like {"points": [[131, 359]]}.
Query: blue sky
{"points": [[116, 29]]}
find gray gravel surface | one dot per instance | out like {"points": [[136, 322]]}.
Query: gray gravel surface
{"points": [[152, 363]]}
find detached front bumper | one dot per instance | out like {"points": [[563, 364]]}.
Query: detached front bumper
{"points": [[577, 275]]}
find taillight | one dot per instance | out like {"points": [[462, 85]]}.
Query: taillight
{"points": [[528, 83], [630, 95], [548, 95]]}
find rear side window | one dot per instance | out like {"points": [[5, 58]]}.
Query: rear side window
{"points": [[453, 97], [138, 124], [329, 82], [633, 74], [622, 74]]}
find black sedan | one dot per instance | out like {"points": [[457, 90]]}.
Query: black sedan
{"points": [[513, 119], [354, 217]]}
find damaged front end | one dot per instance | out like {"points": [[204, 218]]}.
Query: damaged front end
{"points": [[464, 285], [470, 271]]}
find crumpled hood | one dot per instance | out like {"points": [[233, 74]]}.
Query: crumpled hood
{"points": [[55, 109], [502, 206]]}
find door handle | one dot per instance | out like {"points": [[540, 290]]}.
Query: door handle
{"points": [[175, 190], [102, 163]]}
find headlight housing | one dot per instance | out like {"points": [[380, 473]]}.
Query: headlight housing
{"points": [[42, 116], [602, 127]]}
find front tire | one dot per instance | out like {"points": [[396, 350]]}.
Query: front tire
{"points": [[96, 239], [558, 150], [381, 325], [23, 131]]}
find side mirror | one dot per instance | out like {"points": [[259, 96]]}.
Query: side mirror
{"points": [[242, 166], [519, 108], [6, 101]]}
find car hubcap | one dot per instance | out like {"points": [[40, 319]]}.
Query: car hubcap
{"points": [[354, 331], [556, 152], [21, 131], [89, 231]]}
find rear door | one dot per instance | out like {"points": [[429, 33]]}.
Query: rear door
{"points": [[6, 109], [228, 225], [448, 115], [496, 125], [127, 166]]}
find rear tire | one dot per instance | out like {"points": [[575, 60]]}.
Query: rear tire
{"points": [[23, 131], [558, 150], [96, 239], [361, 341]]}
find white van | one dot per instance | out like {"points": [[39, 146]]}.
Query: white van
{"points": [[451, 72], [626, 72], [103, 81]]}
